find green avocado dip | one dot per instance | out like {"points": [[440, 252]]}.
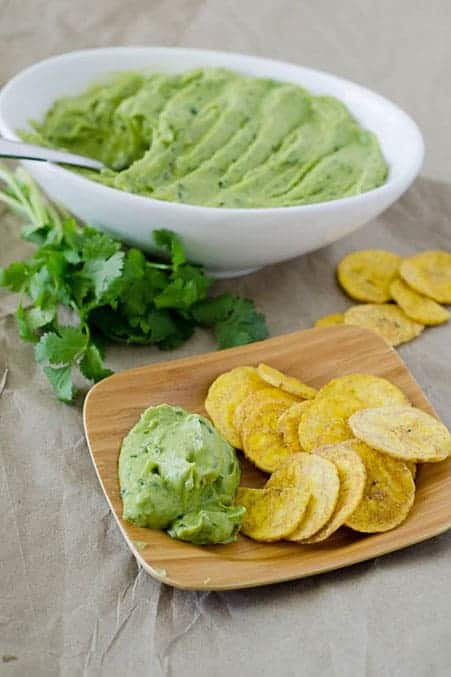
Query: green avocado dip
{"points": [[177, 473], [216, 138]]}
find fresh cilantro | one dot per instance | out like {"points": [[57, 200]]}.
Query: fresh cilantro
{"points": [[14, 276], [169, 241], [234, 320], [114, 293], [61, 380], [64, 347], [91, 366], [31, 319]]}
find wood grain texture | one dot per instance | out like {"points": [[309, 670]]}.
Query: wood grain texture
{"points": [[114, 405]]}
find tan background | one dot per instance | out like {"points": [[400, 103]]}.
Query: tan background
{"points": [[72, 600]]}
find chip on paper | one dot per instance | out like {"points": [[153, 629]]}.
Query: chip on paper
{"points": [[323, 483], [352, 475], [289, 384], [288, 424], [429, 273], [386, 319], [255, 399], [225, 394], [261, 442], [405, 433], [340, 398], [330, 320], [271, 513], [389, 491], [417, 306], [335, 432], [366, 275]]}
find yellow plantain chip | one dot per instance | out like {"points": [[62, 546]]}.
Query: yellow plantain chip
{"points": [[323, 483], [366, 275], [416, 306], [389, 491], [271, 514], [340, 398], [386, 319], [288, 424], [429, 273], [330, 320], [255, 399], [225, 394], [406, 433], [352, 475], [262, 444], [412, 467], [289, 384], [335, 432], [288, 474]]}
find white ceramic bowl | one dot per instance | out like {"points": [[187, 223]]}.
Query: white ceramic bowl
{"points": [[228, 242]]}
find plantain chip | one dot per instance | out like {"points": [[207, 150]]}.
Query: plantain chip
{"points": [[330, 320], [288, 424], [288, 384], [255, 399], [262, 444], [405, 433], [366, 275], [336, 431], [340, 398], [271, 514], [225, 394], [412, 467], [323, 483], [416, 306], [389, 491], [352, 475], [429, 273], [386, 319]]}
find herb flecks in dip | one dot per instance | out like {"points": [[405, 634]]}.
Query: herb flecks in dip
{"points": [[216, 138], [176, 472]]}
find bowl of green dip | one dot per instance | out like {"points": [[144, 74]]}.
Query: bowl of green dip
{"points": [[250, 161]]}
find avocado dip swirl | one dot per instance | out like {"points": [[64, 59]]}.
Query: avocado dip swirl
{"points": [[216, 138], [177, 473]]}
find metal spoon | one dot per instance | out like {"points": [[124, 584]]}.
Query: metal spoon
{"points": [[26, 151]]}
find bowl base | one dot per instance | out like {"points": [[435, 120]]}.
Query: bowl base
{"points": [[226, 274]]}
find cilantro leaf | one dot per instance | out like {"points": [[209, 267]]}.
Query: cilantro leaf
{"points": [[214, 310], [169, 241], [26, 332], [14, 276], [235, 321], [102, 274], [31, 319], [91, 366], [186, 287], [63, 347], [98, 245], [61, 380]]}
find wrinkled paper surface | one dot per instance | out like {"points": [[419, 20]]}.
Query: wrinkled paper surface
{"points": [[72, 598]]}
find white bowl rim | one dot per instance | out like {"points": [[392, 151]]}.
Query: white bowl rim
{"points": [[402, 181]]}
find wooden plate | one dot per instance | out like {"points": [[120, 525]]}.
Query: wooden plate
{"points": [[113, 406]]}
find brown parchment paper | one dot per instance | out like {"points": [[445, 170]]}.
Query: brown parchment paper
{"points": [[72, 599]]}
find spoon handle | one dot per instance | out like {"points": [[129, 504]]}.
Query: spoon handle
{"points": [[26, 151]]}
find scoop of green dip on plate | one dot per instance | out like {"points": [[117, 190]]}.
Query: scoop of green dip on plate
{"points": [[177, 473], [216, 138]]}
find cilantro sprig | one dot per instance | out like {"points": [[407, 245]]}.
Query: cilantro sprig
{"points": [[82, 287]]}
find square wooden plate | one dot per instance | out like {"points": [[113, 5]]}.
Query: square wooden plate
{"points": [[114, 405]]}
